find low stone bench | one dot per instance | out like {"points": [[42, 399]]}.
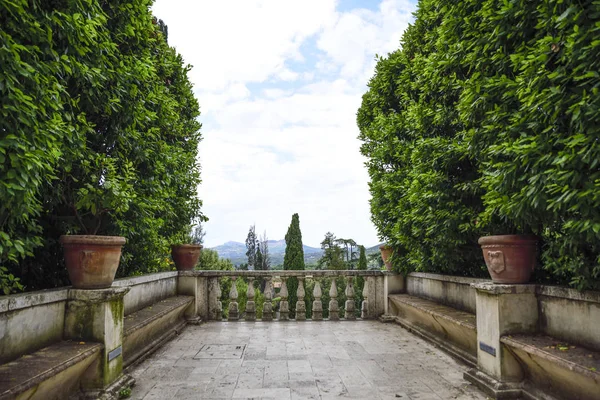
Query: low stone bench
{"points": [[555, 367], [147, 329], [53, 372], [453, 330]]}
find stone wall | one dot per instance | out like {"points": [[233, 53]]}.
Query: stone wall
{"points": [[147, 289], [31, 321], [453, 291], [570, 315]]}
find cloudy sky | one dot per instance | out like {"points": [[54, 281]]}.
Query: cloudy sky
{"points": [[279, 83]]}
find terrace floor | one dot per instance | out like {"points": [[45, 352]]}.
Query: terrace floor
{"points": [[300, 360]]}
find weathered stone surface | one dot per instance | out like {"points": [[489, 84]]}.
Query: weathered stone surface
{"points": [[250, 313], [284, 308], [317, 308], [320, 360], [234, 314], [267, 314], [146, 328], [148, 289], [334, 311], [556, 367], [53, 372], [349, 311], [300, 304]]}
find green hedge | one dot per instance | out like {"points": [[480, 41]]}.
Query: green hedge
{"points": [[486, 122], [100, 134]]}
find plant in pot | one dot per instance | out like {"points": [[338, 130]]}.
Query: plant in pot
{"points": [[94, 194], [186, 253], [510, 258], [386, 255]]}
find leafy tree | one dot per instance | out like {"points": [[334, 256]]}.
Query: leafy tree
{"points": [[198, 233], [101, 139], [293, 259], [333, 254], [263, 245], [251, 247], [473, 127]]}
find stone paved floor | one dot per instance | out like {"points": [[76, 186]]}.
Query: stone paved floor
{"points": [[300, 360]]}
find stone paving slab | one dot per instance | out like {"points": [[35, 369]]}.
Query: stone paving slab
{"points": [[302, 360]]}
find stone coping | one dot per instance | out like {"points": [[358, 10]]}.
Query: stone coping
{"points": [[25, 300], [462, 280], [494, 288], [98, 295], [568, 293], [140, 280], [286, 273], [574, 358]]}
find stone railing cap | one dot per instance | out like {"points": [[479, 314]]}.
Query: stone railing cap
{"points": [[494, 288], [285, 273], [98, 295], [448, 278], [37, 298], [138, 280]]}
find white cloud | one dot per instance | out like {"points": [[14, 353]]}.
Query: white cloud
{"points": [[288, 146]]}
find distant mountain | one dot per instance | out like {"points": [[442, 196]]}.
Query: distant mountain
{"points": [[236, 252]]}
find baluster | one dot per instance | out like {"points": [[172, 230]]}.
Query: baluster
{"points": [[300, 304], [267, 314], [219, 304], [250, 305], [234, 314], [317, 307], [334, 312], [350, 308], [364, 309], [284, 308], [215, 308]]}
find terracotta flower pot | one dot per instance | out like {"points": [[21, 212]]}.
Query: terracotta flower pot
{"points": [[386, 253], [91, 260], [185, 256], [509, 258]]}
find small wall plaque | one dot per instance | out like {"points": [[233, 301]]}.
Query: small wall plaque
{"points": [[115, 353], [487, 348]]}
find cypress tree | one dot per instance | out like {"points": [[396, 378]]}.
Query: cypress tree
{"points": [[360, 281], [293, 259]]}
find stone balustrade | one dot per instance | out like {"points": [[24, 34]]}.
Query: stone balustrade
{"points": [[372, 306]]}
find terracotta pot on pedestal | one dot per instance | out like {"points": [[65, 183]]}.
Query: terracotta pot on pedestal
{"points": [[92, 260], [185, 256], [386, 253], [509, 258]]}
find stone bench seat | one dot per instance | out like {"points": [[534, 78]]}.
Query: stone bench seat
{"points": [[556, 367], [146, 329], [50, 373], [453, 330]]}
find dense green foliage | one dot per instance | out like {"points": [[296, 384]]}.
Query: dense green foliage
{"points": [[485, 122], [293, 259], [99, 135]]}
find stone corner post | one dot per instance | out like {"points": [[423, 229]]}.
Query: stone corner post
{"points": [[393, 283], [96, 315], [501, 310], [196, 286]]}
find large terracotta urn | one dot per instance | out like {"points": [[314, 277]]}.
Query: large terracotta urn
{"points": [[185, 256], [92, 260], [509, 258], [386, 253]]}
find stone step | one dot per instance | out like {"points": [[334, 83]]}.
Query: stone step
{"points": [[453, 330], [53, 372]]}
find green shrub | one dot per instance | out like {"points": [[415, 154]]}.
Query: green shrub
{"points": [[485, 121], [102, 135]]}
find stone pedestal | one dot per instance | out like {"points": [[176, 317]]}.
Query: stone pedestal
{"points": [[501, 310], [196, 286], [97, 316]]}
